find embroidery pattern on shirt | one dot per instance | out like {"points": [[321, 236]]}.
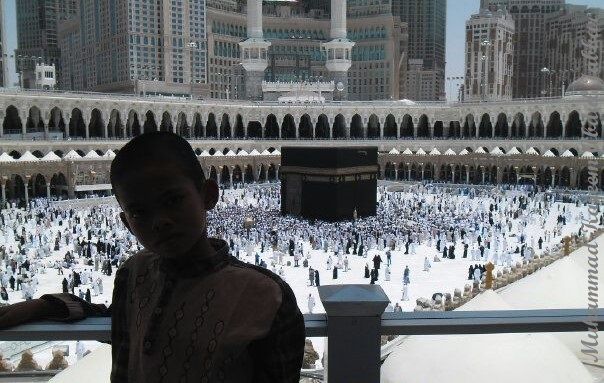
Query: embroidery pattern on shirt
{"points": [[207, 362], [172, 332], [198, 323]]}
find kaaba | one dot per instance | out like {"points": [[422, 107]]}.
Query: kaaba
{"points": [[328, 183]]}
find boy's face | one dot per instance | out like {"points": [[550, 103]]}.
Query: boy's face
{"points": [[163, 208]]}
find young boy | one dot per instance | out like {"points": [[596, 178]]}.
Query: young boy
{"points": [[183, 309]]}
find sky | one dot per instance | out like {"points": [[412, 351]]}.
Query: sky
{"points": [[458, 11]]}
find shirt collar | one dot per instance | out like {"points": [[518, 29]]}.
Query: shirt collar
{"points": [[193, 267]]}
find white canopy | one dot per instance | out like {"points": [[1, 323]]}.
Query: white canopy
{"points": [[276, 152], [265, 152], [92, 154], [420, 152], [513, 151], [587, 155], [407, 151], [51, 156], [464, 152], [204, 153], [496, 151], [254, 152], [109, 154], [480, 150], [242, 153], [218, 153], [28, 157], [532, 151], [4, 157], [567, 153], [405, 101], [549, 153], [72, 155], [231, 153], [394, 151], [434, 152], [450, 152]]}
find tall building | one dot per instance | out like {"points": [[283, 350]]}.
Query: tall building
{"points": [[426, 20], [4, 55], [136, 46], [489, 56], [294, 34], [529, 49], [565, 31], [37, 29]]}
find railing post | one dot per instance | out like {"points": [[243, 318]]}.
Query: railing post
{"points": [[353, 328]]}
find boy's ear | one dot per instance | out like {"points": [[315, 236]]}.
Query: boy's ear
{"points": [[210, 194], [125, 222]]}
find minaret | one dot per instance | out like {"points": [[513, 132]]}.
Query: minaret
{"points": [[338, 50], [254, 51]]}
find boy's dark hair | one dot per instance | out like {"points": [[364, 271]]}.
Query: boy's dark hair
{"points": [[156, 147]]}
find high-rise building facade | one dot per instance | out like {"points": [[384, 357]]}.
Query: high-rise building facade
{"points": [[136, 46], [37, 29], [489, 56], [296, 34], [426, 20], [565, 32], [529, 59]]}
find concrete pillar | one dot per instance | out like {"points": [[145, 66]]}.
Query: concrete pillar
{"points": [[483, 174], [453, 174], [48, 190], [86, 128], [3, 185], [408, 173], [27, 178], [545, 122], [467, 175], [553, 170], [396, 173], [231, 177], [415, 122], [277, 172], [422, 173], [493, 125], [353, 358]]}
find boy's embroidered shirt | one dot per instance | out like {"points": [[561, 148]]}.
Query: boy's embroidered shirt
{"points": [[214, 319]]}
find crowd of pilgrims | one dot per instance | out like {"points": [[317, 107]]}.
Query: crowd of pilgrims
{"points": [[482, 225], [95, 239]]}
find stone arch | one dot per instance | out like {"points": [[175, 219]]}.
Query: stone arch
{"points": [[197, 126], [96, 127], [373, 127], [262, 173], [356, 126], [501, 126], [166, 122], [271, 173], [12, 121], [389, 171], [518, 126], [237, 174], [211, 127], [133, 126], [239, 128], [573, 125], [390, 127], [34, 123], [77, 127], [56, 122], [564, 179], [37, 185], [438, 129], [469, 126], [339, 127], [407, 126], [149, 125], [322, 127], [288, 127], [554, 126], [225, 126], [485, 128], [305, 128], [37, 154], [115, 127], [248, 175], [254, 129], [583, 179], [58, 185], [454, 129], [183, 128], [15, 189], [271, 128], [536, 125], [423, 127], [213, 173]]}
